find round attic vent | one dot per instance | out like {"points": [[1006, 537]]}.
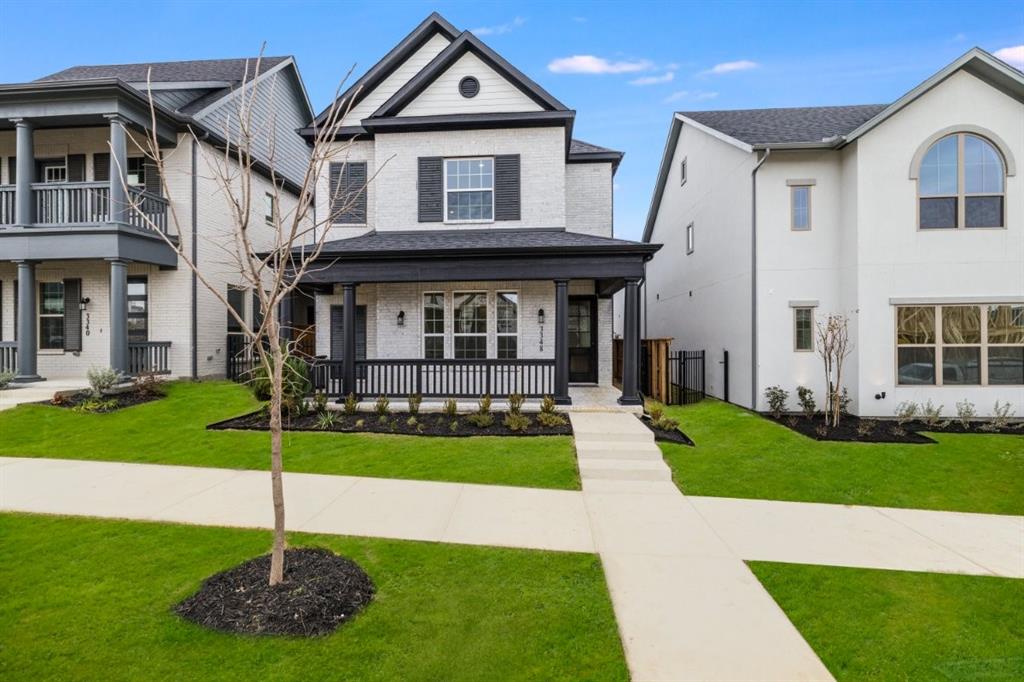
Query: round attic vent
{"points": [[469, 86]]}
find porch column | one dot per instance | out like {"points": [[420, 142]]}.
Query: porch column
{"points": [[119, 315], [25, 171], [348, 375], [27, 343], [118, 171], [631, 345], [562, 342]]}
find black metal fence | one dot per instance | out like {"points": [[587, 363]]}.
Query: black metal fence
{"points": [[240, 360], [686, 376]]}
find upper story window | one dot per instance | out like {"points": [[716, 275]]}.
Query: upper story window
{"points": [[55, 171], [469, 190], [800, 207], [268, 208], [689, 239], [961, 184], [136, 175], [682, 172]]}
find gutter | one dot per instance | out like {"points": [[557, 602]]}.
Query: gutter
{"points": [[195, 254], [753, 278]]}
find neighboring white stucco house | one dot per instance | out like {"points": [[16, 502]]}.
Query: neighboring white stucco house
{"points": [[88, 280], [908, 218]]}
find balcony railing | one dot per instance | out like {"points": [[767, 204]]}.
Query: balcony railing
{"points": [[154, 207], [7, 205], [83, 203], [8, 356], [149, 357]]}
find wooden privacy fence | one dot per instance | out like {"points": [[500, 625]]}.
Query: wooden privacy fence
{"points": [[670, 377]]}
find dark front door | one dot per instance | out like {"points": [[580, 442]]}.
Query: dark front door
{"points": [[582, 339], [338, 332]]}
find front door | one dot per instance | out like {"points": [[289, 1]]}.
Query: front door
{"points": [[582, 339]]}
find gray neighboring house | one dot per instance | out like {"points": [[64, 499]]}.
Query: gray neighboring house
{"points": [[83, 282]]}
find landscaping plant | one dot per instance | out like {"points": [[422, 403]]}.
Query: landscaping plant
{"points": [[326, 420], [547, 415], [450, 407], [805, 397], [932, 415], [865, 427], [776, 397], [965, 413], [382, 406], [5, 379], [515, 403], [484, 404], [906, 412], [351, 404], [1001, 416], [320, 402], [834, 346], [415, 400], [102, 379]]}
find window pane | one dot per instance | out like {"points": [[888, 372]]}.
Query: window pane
{"points": [[470, 347], [470, 313], [507, 347], [801, 205], [938, 213], [804, 329], [51, 332], [961, 366], [137, 329], [236, 299], [961, 324], [433, 347], [1006, 324], [916, 365], [1005, 365], [51, 298], [136, 287], [983, 211], [983, 167], [137, 306], [939, 168], [507, 322], [915, 324], [433, 313]]}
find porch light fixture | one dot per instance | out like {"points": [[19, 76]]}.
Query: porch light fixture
{"points": [[401, 318], [83, 302], [540, 316]]}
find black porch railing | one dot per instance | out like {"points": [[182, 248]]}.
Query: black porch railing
{"points": [[149, 357], [439, 378], [240, 358], [8, 356]]}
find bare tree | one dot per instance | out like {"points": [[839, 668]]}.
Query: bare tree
{"points": [[268, 255], [834, 347]]}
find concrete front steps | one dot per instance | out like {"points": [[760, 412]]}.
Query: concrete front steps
{"points": [[617, 447]]}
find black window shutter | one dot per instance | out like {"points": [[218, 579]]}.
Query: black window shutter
{"points": [[338, 332], [72, 314], [152, 177], [76, 167], [348, 192], [506, 187], [101, 167], [12, 170], [429, 180]]}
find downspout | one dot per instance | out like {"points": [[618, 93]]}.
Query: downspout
{"points": [[753, 278], [195, 255]]}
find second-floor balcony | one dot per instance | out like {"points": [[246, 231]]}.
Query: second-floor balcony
{"points": [[84, 203]]}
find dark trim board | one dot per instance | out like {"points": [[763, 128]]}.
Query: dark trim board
{"points": [[107, 240]]}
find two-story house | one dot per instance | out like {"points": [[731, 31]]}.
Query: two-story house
{"points": [[908, 218], [84, 280], [480, 258]]}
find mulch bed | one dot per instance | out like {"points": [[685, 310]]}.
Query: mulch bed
{"points": [[425, 424], [674, 436], [881, 430], [116, 401], [321, 590]]}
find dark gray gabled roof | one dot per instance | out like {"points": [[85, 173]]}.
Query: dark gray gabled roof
{"points": [[584, 152], [499, 241], [786, 126], [201, 70]]}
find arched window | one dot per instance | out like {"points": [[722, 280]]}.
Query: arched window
{"points": [[961, 184]]}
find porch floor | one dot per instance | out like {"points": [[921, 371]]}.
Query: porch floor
{"points": [[16, 394]]}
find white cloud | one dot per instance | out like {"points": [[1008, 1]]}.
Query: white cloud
{"points": [[500, 28], [1014, 56], [653, 80], [691, 96], [588, 63], [729, 67]]}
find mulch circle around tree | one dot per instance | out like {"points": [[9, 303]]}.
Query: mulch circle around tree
{"points": [[321, 590], [855, 429], [666, 436], [423, 424]]}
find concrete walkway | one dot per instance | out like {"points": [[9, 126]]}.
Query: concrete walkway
{"points": [[16, 394]]}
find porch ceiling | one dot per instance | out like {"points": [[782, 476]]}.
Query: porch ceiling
{"points": [[481, 254]]}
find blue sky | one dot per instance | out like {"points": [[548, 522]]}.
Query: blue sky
{"points": [[624, 67]]}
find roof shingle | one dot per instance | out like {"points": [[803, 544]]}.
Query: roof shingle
{"points": [[784, 126], [232, 70]]}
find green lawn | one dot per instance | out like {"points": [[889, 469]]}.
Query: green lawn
{"points": [[91, 599], [172, 431], [893, 625], [740, 454]]}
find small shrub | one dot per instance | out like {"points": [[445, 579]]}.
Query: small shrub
{"points": [[360, 423], [299, 408], [59, 399], [821, 430], [382, 406], [102, 379], [320, 402], [5, 379], [776, 397], [865, 427], [805, 397], [326, 420], [665, 423], [95, 405], [551, 419], [656, 411], [415, 400], [899, 431], [965, 413], [450, 407], [792, 422], [515, 404], [412, 421], [484, 404], [844, 402], [481, 420], [932, 415], [351, 404], [1001, 416], [295, 382], [516, 421], [383, 419], [146, 385], [454, 426], [906, 412], [547, 405]]}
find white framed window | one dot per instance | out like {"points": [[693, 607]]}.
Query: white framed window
{"points": [[136, 171], [682, 172], [469, 190], [689, 239], [974, 345], [268, 208], [803, 329], [55, 171], [961, 184], [507, 324], [469, 334], [800, 208], [51, 315], [433, 326]]}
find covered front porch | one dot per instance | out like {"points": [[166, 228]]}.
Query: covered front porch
{"points": [[463, 313]]}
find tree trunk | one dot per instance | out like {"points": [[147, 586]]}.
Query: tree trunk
{"points": [[277, 553]]}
